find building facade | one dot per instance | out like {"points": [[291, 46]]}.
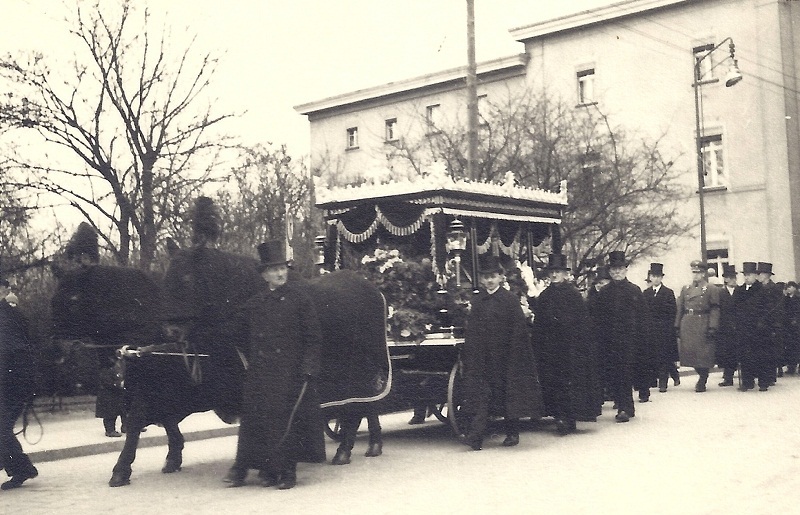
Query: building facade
{"points": [[638, 62]]}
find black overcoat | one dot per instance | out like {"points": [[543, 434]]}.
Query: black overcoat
{"points": [[791, 330], [621, 321], [567, 355], [751, 308], [498, 355], [662, 308], [284, 348], [726, 333]]}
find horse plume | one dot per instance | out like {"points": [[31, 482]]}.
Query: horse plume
{"points": [[205, 222], [83, 242]]}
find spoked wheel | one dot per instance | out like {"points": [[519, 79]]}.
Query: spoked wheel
{"points": [[334, 430], [455, 400]]}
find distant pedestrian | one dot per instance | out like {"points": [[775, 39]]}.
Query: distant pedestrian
{"points": [[727, 357], [698, 320], [500, 375], [662, 308], [791, 327], [17, 386], [621, 322], [774, 319], [281, 421], [751, 308], [566, 353]]}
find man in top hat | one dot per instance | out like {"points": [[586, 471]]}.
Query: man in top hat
{"points": [[725, 344], [751, 309], [621, 322], [281, 422], [500, 375], [16, 389], [774, 319], [662, 308], [791, 327], [697, 321], [566, 353]]}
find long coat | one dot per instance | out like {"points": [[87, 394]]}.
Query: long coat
{"points": [[284, 349], [662, 308], [751, 308], [621, 322], [567, 355], [791, 330], [727, 356], [698, 314], [498, 357]]}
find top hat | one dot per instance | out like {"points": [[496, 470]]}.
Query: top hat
{"points": [[792, 284], [698, 266], [764, 268], [602, 273], [656, 269], [489, 263], [616, 258], [271, 253], [729, 271], [749, 267], [557, 262], [83, 243]]}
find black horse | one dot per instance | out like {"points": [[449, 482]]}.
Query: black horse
{"points": [[105, 308], [201, 287]]}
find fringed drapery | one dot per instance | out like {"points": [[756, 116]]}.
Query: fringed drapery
{"points": [[399, 218]]}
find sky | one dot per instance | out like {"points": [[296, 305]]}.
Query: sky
{"points": [[277, 54]]}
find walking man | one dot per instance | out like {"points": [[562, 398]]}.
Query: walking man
{"points": [[727, 357], [621, 321], [697, 321], [662, 308], [751, 308], [774, 320]]}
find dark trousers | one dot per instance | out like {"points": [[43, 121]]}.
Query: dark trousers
{"points": [[11, 456], [480, 417], [622, 389], [757, 364]]}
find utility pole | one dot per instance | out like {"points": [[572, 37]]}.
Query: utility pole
{"points": [[472, 93]]}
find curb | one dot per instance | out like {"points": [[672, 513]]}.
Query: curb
{"points": [[117, 445]]}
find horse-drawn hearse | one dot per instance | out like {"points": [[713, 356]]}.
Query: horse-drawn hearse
{"points": [[439, 224], [430, 232]]}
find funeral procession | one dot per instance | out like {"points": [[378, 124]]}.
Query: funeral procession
{"points": [[454, 257]]}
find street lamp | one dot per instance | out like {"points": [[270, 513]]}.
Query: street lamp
{"points": [[457, 243], [733, 77]]}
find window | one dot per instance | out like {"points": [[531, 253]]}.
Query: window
{"points": [[704, 63], [433, 115], [716, 258], [713, 162], [391, 129], [352, 137], [586, 86]]}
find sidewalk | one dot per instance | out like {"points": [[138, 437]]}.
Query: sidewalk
{"points": [[75, 432]]}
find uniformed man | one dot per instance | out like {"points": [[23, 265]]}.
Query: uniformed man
{"points": [[697, 321], [662, 308]]}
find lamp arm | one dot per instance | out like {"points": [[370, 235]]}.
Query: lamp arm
{"points": [[697, 62]]}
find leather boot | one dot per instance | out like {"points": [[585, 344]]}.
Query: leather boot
{"points": [[374, 449], [342, 456], [702, 380], [288, 477], [662, 382], [727, 377]]}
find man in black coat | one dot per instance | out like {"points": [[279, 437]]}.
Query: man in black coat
{"points": [[662, 308], [500, 375], [751, 309], [774, 320], [566, 353], [726, 357], [17, 389], [621, 321], [791, 327]]}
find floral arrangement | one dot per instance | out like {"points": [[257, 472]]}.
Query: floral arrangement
{"points": [[410, 289]]}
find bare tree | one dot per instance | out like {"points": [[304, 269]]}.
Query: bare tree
{"points": [[623, 194], [134, 114]]}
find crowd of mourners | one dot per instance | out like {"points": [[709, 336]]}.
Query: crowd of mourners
{"points": [[609, 344]]}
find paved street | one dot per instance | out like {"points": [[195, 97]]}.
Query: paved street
{"points": [[721, 452]]}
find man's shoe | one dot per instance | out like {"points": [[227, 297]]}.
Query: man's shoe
{"points": [[342, 457], [565, 427], [726, 383], [676, 380], [267, 478], [511, 440], [17, 479], [416, 420], [644, 398], [235, 477], [474, 442], [622, 417], [662, 389], [288, 479], [763, 388], [113, 434], [699, 388], [374, 449], [745, 387]]}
